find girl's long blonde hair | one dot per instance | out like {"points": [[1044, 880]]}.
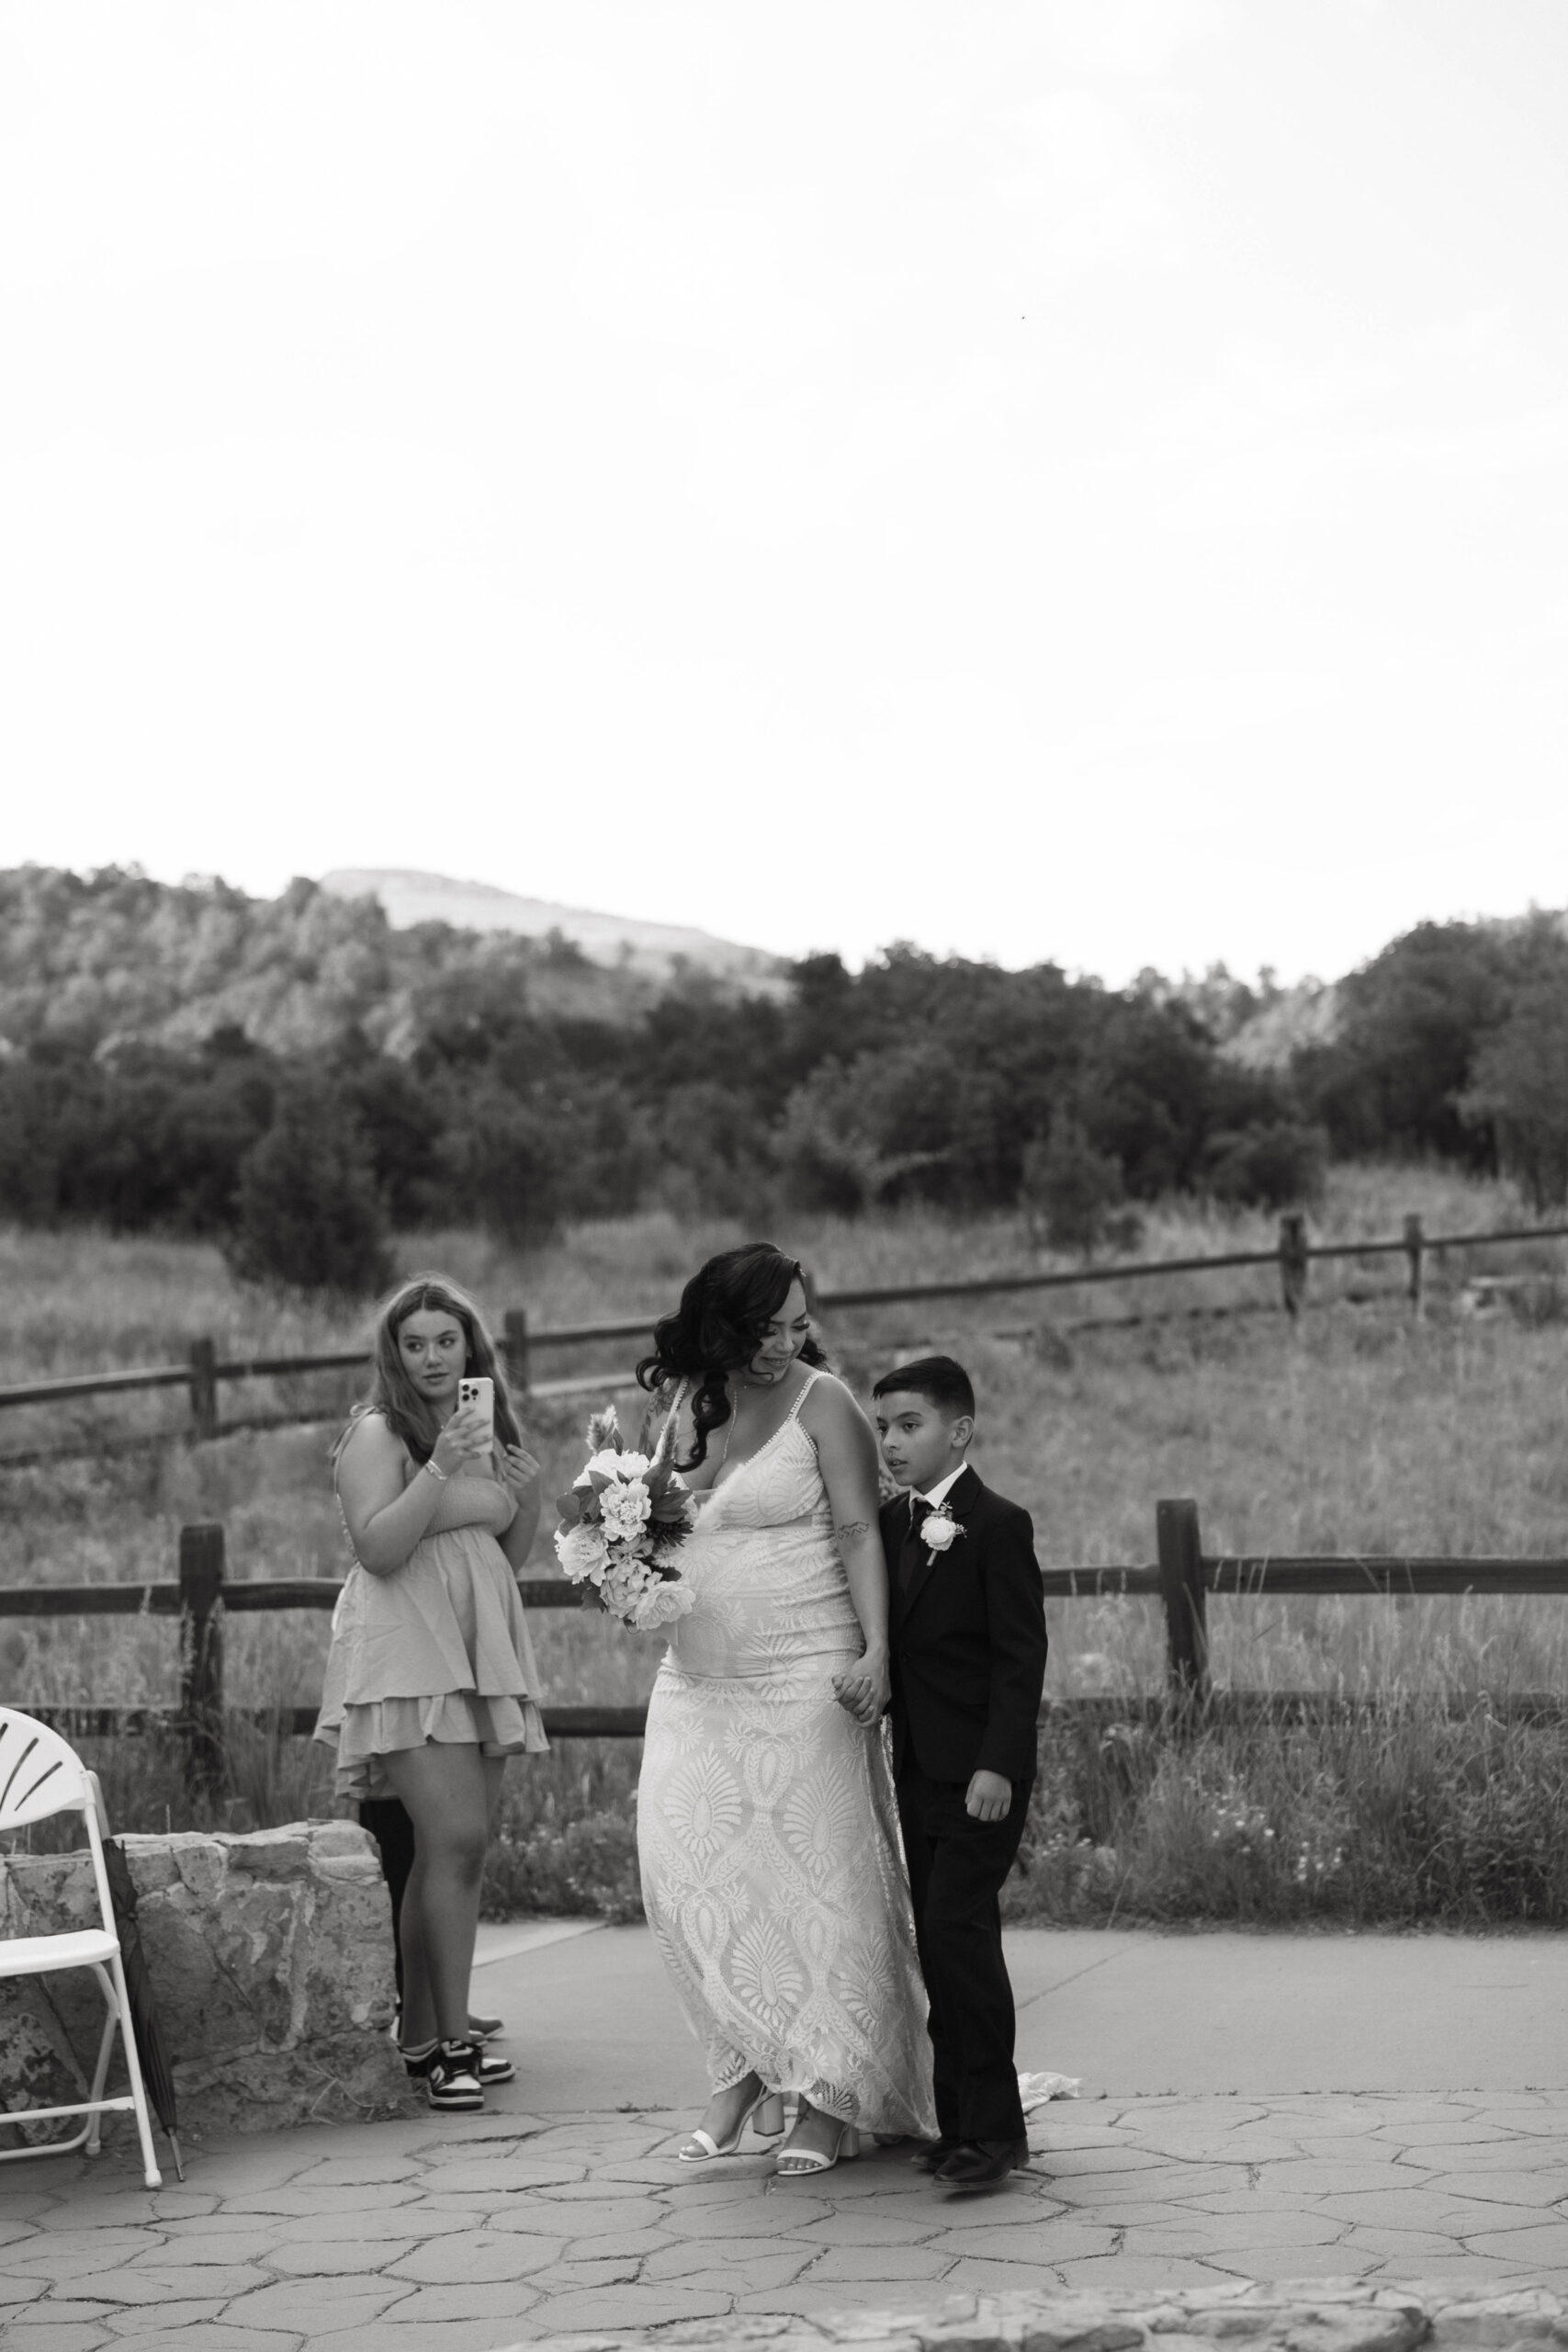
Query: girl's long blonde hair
{"points": [[393, 1393]]}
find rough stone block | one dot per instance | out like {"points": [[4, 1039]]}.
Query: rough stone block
{"points": [[38, 2066], [1302, 2317], [273, 1853], [271, 1960]]}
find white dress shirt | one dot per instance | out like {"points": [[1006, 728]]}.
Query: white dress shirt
{"points": [[942, 1487]]}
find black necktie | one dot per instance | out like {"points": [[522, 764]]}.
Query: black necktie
{"points": [[909, 1556]]}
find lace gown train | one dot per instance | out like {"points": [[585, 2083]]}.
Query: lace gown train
{"points": [[771, 1868]]}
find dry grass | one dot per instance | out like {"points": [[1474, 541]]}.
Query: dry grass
{"points": [[1361, 1431]]}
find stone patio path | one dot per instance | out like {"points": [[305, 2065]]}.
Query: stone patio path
{"points": [[441, 2236], [468, 2234]]}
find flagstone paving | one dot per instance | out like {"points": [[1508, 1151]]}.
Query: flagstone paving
{"points": [[464, 2235]]}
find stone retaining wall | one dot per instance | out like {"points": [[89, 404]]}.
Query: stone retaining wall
{"points": [[271, 1962], [1313, 2315]]}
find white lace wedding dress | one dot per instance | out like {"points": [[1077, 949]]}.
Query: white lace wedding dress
{"points": [[771, 1868]]}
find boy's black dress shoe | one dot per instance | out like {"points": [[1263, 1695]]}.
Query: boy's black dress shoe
{"points": [[934, 2155], [982, 2164]]}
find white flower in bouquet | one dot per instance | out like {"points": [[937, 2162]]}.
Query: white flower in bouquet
{"points": [[581, 1553], [628, 1466], [621, 1520], [626, 1511], [621, 1585], [661, 1603]]}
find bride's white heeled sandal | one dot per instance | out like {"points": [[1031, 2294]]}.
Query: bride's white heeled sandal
{"points": [[794, 2164], [702, 2148]]}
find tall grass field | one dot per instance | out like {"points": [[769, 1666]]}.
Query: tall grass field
{"points": [[1360, 1429]]}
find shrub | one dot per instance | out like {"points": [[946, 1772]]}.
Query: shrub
{"points": [[715, 1153], [309, 1212], [839, 1144], [1521, 1091], [1276, 1165], [580, 1868], [1074, 1195], [1366, 1816], [1410, 1022], [500, 1167]]}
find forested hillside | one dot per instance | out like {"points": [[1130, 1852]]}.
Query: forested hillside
{"points": [[98, 959], [197, 1060]]}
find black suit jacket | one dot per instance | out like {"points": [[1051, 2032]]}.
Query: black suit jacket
{"points": [[967, 1641]]}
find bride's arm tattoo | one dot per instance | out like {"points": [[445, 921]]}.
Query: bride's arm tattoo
{"points": [[852, 1533]]}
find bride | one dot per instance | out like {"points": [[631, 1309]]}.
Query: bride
{"points": [[771, 1872]]}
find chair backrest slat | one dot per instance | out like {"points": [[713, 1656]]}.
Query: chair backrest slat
{"points": [[25, 1796], [20, 1760], [40, 1772]]}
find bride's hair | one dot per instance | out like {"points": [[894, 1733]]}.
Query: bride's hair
{"points": [[718, 1326], [393, 1392]]}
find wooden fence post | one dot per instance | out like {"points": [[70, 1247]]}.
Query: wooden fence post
{"points": [[514, 1347], [203, 1388], [202, 1652], [1293, 1261], [1179, 1547], [1414, 1245]]}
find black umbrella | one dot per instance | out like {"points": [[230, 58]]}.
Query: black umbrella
{"points": [[156, 2071]]}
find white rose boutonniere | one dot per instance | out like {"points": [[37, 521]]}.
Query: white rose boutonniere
{"points": [[940, 1532]]}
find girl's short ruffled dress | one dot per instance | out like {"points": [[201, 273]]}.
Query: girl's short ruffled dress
{"points": [[437, 1650]]}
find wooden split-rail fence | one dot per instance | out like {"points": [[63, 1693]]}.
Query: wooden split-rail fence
{"points": [[205, 1371], [1182, 1575], [1181, 1578]]}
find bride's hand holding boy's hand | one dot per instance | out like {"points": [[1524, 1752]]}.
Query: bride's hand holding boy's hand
{"points": [[875, 1673], [866, 1688], [852, 1695]]}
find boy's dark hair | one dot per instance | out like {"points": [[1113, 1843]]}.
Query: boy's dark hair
{"points": [[941, 1379]]}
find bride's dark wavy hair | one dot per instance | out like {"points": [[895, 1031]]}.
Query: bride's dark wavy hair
{"points": [[724, 1313]]}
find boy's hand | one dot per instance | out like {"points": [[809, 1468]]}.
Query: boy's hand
{"points": [[989, 1797], [863, 1691]]}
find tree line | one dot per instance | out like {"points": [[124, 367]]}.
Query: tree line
{"points": [[514, 1091]]}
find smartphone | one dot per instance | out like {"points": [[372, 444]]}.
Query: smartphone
{"points": [[479, 1392]]}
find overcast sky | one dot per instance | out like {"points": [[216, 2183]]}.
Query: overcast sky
{"points": [[1082, 479]]}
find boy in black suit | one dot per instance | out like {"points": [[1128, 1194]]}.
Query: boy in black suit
{"points": [[967, 1633]]}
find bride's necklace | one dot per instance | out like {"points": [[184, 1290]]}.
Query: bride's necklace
{"points": [[741, 1381]]}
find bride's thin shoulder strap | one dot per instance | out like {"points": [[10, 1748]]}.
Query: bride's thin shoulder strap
{"points": [[812, 1377]]}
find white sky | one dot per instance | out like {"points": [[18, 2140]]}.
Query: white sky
{"points": [[1081, 479]]}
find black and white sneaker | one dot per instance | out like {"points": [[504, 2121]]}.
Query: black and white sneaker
{"points": [[481, 2029], [449, 2071], [487, 2071], [492, 2071]]}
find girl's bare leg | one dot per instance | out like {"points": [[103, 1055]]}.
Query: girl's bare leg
{"points": [[495, 1773], [447, 1793]]}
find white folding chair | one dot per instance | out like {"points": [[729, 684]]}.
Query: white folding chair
{"points": [[41, 1775]]}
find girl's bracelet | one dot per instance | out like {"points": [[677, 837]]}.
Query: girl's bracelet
{"points": [[439, 1475]]}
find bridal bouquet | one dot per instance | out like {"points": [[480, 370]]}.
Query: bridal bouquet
{"points": [[621, 1523]]}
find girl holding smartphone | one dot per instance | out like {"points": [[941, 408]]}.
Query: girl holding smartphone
{"points": [[431, 1682]]}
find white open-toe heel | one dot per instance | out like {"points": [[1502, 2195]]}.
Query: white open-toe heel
{"points": [[768, 2117], [703, 2147], [794, 2164]]}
